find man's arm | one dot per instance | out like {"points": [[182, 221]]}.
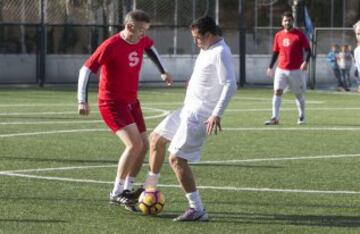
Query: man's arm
{"points": [[303, 66], [82, 92], [226, 76], [274, 57], [155, 58]]}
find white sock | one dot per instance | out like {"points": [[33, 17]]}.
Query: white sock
{"points": [[151, 180], [195, 200], [276, 103], [129, 183], [118, 186], [300, 103]]}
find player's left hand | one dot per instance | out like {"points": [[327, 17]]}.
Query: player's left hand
{"points": [[303, 66], [213, 123], [167, 78]]}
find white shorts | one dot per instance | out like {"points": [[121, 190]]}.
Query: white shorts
{"points": [[294, 79], [187, 133]]}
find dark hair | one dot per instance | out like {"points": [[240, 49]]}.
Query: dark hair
{"points": [[287, 14], [137, 16], [206, 24]]}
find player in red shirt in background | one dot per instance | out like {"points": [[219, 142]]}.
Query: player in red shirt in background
{"points": [[289, 46], [120, 58]]}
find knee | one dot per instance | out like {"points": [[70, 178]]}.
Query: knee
{"points": [[278, 92], [174, 162], [136, 146], [156, 141]]}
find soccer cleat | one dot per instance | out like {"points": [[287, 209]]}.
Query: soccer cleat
{"points": [[192, 215], [124, 200], [272, 121], [134, 195], [301, 120]]}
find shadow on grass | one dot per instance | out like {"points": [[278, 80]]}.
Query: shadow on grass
{"points": [[276, 219], [304, 220]]}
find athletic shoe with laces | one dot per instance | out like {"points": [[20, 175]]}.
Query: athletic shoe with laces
{"points": [[301, 120], [124, 199], [272, 121], [192, 215]]}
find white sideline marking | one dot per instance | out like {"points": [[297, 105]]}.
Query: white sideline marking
{"points": [[162, 114], [300, 128], [17, 173], [270, 98], [278, 159], [52, 132], [194, 163], [227, 188], [292, 109]]}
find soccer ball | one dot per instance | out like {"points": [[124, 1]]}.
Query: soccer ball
{"points": [[151, 202]]}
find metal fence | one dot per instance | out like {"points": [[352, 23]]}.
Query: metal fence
{"points": [[34, 30]]}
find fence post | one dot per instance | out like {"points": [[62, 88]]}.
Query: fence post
{"points": [[242, 45], [41, 60]]}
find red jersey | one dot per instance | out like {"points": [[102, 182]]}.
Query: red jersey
{"points": [[290, 47], [120, 64]]}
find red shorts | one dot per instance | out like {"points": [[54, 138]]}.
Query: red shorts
{"points": [[118, 115]]}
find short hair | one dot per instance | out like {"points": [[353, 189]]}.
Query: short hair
{"points": [[357, 24], [137, 16], [287, 14], [206, 24]]}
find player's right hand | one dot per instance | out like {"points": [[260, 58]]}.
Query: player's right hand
{"points": [[269, 72], [83, 108], [167, 78]]}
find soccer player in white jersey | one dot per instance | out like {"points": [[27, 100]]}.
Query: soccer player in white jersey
{"points": [[209, 91], [289, 45], [357, 49]]}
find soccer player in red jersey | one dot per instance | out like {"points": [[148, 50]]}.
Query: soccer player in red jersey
{"points": [[289, 45], [120, 58]]}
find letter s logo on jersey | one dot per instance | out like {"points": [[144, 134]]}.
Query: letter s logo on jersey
{"points": [[286, 42], [133, 59]]}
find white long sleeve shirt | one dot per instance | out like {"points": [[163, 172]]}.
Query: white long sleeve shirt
{"points": [[357, 58], [212, 83]]}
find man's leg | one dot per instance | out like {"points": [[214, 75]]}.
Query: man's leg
{"points": [[276, 103], [134, 146], [186, 179], [157, 156], [300, 104], [137, 164]]}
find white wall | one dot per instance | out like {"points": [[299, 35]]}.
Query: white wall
{"points": [[64, 69]]}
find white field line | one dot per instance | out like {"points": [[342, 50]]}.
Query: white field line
{"points": [[292, 109], [334, 156], [17, 173], [279, 159], [75, 105], [270, 99], [300, 128], [162, 114], [226, 188], [53, 132]]}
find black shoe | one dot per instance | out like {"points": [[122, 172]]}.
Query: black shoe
{"points": [[122, 198], [125, 199], [134, 195]]}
